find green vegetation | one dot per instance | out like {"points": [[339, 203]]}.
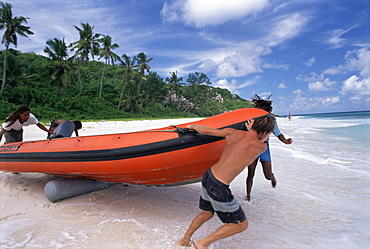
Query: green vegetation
{"points": [[67, 84]]}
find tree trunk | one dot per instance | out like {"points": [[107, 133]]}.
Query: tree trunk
{"points": [[121, 96], [4, 69], [101, 81], [79, 80]]}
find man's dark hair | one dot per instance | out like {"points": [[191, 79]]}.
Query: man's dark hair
{"points": [[78, 124], [265, 123], [260, 103]]}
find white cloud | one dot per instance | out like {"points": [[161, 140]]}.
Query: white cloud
{"points": [[242, 60], [321, 86], [230, 59], [312, 77], [330, 101], [333, 71], [316, 103], [50, 19], [227, 62], [200, 13], [359, 60], [298, 91], [335, 38], [231, 86], [286, 27], [282, 85], [267, 65], [169, 12], [356, 86], [355, 60], [310, 61]]}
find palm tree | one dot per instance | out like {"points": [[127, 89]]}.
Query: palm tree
{"points": [[13, 27], [88, 43], [175, 84], [15, 71], [133, 95], [59, 63], [109, 56], [128, 74], [142, 65]]}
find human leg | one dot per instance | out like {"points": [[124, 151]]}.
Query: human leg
{"points": [[197, 222], [249, 181], [267, 171], [206, 214], [227, 208], [224, 231], [265, 159]]}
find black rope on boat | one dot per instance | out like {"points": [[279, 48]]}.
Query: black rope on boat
{"points": [[180, 131], [177, 129]]}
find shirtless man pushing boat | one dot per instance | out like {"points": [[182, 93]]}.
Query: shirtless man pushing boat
{"points": [[241, 149]]}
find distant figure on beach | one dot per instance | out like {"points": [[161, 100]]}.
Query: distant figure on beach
{"points": [[265, 157], [12, 127], [289, 117], [66, 128], [241, 148]]}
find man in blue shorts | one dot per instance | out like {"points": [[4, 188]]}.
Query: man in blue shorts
{"points": [[241, 148]]}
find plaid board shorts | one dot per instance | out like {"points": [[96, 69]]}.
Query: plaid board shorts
{"points": [[216, 197]]}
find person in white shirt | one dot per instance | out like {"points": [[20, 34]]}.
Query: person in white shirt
{"points": [[12, 127]]}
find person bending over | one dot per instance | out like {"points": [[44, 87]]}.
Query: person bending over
{"points": [[241, 148], [56, 122]]}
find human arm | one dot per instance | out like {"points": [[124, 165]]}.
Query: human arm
{"points": [[2, 133], [202, 129], [284, 140], [42, 127], [280, 135]]}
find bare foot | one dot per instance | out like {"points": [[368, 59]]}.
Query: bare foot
{"points": [[185, 241], [248, 198], [273, 181], [197, 245]]}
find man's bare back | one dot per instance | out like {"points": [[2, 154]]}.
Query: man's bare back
{"points": [[240, 150]]}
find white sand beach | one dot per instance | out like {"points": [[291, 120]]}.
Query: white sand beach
{"points": [[308, 209]]}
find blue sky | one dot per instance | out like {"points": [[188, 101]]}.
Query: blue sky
{"points": [[311, 55]]}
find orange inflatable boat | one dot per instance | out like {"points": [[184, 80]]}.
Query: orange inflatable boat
{"points": [[166, 156]]}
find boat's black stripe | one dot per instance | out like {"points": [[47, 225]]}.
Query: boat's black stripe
{"points": [[186, 140]]}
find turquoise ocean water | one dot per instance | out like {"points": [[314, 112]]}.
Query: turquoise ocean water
{"points": [[328, 169], [352, 125]]}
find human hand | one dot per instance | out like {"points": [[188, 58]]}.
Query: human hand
{"points": [[51, 131], [288, 141], [191, 127]]}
